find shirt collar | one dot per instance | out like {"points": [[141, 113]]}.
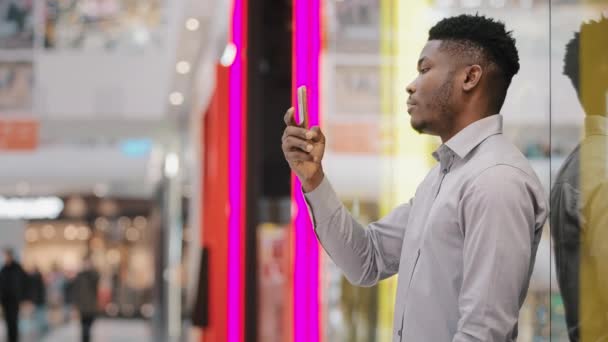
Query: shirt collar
{"points": [[596, 125], [471, 136]]}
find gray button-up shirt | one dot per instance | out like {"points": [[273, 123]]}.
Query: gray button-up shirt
{"points": [[463, 247]]}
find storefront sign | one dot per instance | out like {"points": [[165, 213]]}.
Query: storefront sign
{"points": [[18, 135]]}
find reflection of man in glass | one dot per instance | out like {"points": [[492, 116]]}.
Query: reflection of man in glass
{"points": [[464, 246], [579, 198]]}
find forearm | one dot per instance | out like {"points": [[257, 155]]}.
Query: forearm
{"points": [[346, 241]]}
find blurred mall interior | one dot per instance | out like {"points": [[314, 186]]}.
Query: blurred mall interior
{"points": [[143, 137]]}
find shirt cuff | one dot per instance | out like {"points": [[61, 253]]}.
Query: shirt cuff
{"points": [[322, 202]]}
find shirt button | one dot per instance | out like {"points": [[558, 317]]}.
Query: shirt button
{"points": [[399, 333]]}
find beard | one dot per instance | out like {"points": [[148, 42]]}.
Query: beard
{"points": [[439, 112]]}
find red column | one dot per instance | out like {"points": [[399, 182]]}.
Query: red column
{"points": [[214, 205]]}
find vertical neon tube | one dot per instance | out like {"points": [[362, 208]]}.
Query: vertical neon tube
{"points": [[306, 58], [236, 175]]}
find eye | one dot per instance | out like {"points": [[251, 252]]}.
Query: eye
{"points": [[424, 70]]}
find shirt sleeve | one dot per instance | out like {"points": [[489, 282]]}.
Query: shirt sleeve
{"points": [[498, 214], [365, 255]]}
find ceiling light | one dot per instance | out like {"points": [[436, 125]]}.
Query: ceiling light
{"points": [[30, 208], [176, 98], [124, 222], [100, 190], [48, 231], [102, 223], [84, 233], [31, 235], [192, 24], [70, 232], [182, 67], [140, 222]]}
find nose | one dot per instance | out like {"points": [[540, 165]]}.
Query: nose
{"points": [[411, 88]]}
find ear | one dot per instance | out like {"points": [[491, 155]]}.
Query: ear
{"points": [[472, 77]]}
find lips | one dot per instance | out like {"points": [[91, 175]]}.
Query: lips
{"points": [[410, 106]]}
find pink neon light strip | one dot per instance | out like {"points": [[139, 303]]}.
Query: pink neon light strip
{"points": [[307, 49], [236, 184]]}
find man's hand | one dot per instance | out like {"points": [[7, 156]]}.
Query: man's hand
{"points": [[303, 150]]}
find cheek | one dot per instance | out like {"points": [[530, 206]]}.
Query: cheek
{"points": [[426, 90]]}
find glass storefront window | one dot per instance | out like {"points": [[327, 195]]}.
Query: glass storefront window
{"points": [[579, 193], [370, 57], [104, 25]]}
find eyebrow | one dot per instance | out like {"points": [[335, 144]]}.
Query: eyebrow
{"points": [[420, 61]]}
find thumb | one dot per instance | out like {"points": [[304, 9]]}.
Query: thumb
{"points": [[319, 136]]}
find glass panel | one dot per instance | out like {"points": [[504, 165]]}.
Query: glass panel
{"points": [[370, 57], [579, 194]]}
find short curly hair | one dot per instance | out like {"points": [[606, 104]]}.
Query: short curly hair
{"points": [[593, 31], [486, 42]]}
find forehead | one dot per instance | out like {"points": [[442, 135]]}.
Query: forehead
{"points": [[432, 51]]}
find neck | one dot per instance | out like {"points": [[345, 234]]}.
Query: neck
{"points": [[462, 121], [472, 112]]}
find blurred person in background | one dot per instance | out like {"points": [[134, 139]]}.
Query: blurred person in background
{"points": [[56, 295], [13, 282], [18, 13], [68, 293], [84, 290], [37, 294]]}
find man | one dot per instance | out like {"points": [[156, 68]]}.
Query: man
{"points": [[13, 282], [85, 288], [464, 245], [579, 197], [37, 294]]}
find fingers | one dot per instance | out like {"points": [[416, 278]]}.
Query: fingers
{"points": [[317, 135], [289, 118], [292, 143], [299, 156], [294, 129], [300, 144], [299, 133]]}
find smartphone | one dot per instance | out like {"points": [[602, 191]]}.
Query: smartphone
{"points": [[303, 107]]}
